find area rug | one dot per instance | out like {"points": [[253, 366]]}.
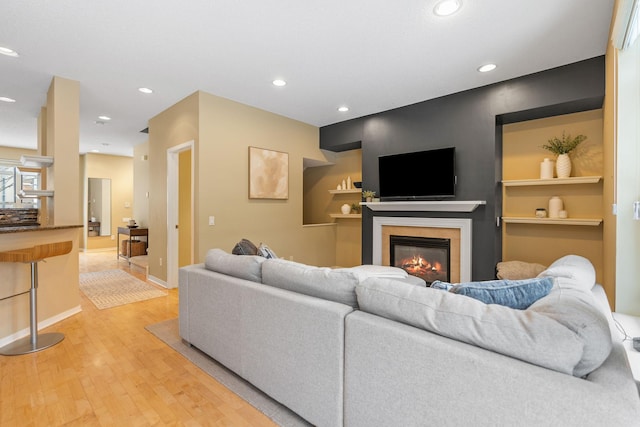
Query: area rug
{"points": [[112, 288], [168, 332]]}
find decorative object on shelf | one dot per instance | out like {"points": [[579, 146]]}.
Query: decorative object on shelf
{"points": [[348, 183], [344, 185], [357, 184], [562, 148], [346, 209], [541, 213], [546, 168], [555, 206], [368, 195], [563, 214], [268, 174], [355, 207]]}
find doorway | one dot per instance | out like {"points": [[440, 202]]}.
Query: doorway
{"points": [[180, 208]]}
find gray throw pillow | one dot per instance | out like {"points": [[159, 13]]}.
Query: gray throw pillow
{"points": [[518, 294], [245, 247]]}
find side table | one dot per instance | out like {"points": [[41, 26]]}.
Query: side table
{"points": [[134, 234]]}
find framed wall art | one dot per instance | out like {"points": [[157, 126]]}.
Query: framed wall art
{"points": [[268, 174]]}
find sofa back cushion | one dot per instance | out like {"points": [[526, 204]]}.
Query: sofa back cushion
{"points": [[248, 267], [320, 282]]}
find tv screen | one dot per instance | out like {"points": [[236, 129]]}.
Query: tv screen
{"points": [[421, 175]]}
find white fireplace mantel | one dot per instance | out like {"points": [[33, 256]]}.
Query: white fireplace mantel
{"points": [[426, 206]]}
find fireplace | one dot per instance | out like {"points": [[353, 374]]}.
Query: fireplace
{"points": [[456, 230], [424, 257]]}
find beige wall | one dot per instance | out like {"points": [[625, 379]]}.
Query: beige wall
{"points": [[119, 170], [222, 131], [12, 153], [522, 154], [141, 184], [63, 142]]}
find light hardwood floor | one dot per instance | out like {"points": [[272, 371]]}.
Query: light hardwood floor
{"points": [[109, 371]]}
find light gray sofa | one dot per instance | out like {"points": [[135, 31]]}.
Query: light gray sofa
{"points": [[348, 347]]}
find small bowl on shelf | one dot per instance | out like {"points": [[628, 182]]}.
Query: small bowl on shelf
{"points": [[357, 184]]}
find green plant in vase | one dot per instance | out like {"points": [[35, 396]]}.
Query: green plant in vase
{"points": [[368, 195], [562, 148]]}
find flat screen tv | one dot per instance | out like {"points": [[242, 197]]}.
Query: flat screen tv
{"points": [[421, 175]]}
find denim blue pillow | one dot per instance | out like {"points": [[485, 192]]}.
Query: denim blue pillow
{"points": [[518, 294]]}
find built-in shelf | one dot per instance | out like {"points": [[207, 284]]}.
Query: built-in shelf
{"points": [[552, 221], [352, 191], [35, 193], [345, 215], [553, 181], [426, 206], [36, 161]]}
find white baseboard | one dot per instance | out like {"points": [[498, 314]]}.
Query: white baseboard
{"points": [[157, 281], [41, 325]]}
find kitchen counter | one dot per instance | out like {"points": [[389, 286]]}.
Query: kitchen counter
{"points": [[22, 228]]}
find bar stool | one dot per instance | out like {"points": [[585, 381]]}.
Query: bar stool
{"points": [[33, 255]]}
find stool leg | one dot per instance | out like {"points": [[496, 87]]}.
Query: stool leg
{"points": [[33, 342]]}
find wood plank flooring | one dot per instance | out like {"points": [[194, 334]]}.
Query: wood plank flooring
{"points": [[109, 371]]}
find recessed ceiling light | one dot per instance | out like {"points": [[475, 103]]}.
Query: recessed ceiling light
{"points": [[343, 109], [105, 118], [487, 67], [145, 90], [8, 52], [95, 150], [6, 99], [99, 122], [279, 82], [447, 7]]}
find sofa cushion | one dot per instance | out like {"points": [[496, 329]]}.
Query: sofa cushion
{"points": [[518, 294], [527, 335], [246, 267], [322, 282], [572, 272]]}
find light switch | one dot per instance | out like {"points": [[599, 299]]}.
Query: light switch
{"points": [[212, 220]]}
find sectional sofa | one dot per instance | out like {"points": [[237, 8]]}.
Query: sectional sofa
{"points": [[364, 347]]}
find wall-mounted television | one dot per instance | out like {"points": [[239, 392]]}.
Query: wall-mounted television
{"points": [[420, 175]]}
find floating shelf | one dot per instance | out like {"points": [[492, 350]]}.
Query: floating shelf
{"points": [[352, 191], [553, 181], [29, 194], [552, 221], [36, 161], [351, 216], [426, 206]]}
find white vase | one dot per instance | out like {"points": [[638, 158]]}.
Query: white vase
{"points": [[346, 208], [546, 169], [555, 206], [563, 166]]}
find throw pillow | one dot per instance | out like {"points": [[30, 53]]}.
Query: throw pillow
{"points": [[518, 294], [245, 247], [572, 272], [517, 270], [266, 252]]}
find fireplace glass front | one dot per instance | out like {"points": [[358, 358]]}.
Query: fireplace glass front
{"points": [[424, 257]]}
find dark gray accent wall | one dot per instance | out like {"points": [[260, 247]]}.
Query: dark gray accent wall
{"points": [[472, 122]]}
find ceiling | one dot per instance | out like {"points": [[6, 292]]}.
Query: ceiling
{"points": [[370, 55]]}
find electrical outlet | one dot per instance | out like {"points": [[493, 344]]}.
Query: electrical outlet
{"points": [[113, 237]]}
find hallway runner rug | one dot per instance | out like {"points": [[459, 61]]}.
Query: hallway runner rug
{"points": [[168, 332], [112, 288]]}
